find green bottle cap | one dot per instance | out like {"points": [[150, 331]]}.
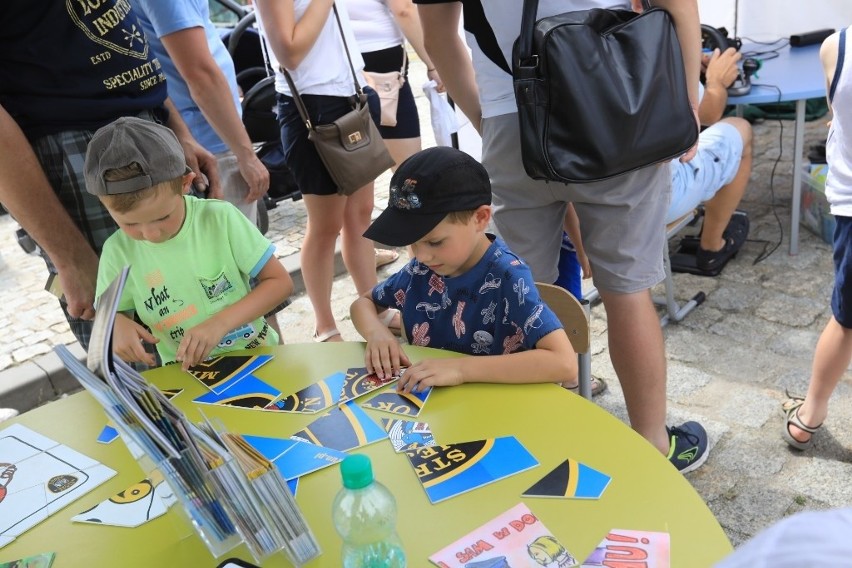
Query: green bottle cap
{"points": [[357, 471]]}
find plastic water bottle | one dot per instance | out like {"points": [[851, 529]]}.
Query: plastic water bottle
{"points": [[364, 514]]}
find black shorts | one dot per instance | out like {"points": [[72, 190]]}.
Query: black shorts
{"points": [[407, 118], [299, 152], [841, 298]]}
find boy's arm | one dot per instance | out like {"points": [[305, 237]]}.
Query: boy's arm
{"points": [[552, 361], [383, 354], [127, 338], [274, 287]]}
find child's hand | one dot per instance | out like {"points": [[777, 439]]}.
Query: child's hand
{"points": [[127, 338], [431, 373], [198, 342], [384, 356]]}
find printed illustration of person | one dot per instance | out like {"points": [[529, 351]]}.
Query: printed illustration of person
{"points": [[547, 551]]}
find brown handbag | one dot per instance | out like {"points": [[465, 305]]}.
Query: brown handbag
{"points": [[351, 147]]}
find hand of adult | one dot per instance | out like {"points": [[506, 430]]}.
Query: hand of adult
{"points": [[256, 176], [203, 163], [722, 68], [78, 280], [434, 76]]}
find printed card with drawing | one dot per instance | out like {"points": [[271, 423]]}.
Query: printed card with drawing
{"points": [[403, 403], [313, 398], [43, 560], [515, 538], [628, 548], [343, 428], [359, 382], [407, 435], [449, 470], [38, 477], [220, 373], [250, 392], [138, 504]]}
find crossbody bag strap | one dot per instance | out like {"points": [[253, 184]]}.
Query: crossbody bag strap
{"points": [[404, 61], [525, 39], [358, 90]]}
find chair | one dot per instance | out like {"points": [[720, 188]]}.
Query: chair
{"points": [[674, 310], [574, 316]]}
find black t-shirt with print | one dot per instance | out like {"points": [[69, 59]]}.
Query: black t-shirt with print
{"points": [[74, 64]]}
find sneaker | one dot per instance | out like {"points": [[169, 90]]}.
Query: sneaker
{"points": [[688, 448]]}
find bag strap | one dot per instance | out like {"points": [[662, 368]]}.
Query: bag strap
{"points": [[297, 98], [404, 60]]}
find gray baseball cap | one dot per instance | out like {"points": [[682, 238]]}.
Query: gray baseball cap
{"points": [[127, 140]]}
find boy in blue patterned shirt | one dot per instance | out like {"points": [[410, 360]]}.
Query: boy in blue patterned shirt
{"points": [[464, 290]]}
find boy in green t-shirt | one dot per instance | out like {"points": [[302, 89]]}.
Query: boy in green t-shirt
{"points": [[191, 259]]}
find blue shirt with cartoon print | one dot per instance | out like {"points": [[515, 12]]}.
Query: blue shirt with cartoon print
{"points": [[492, 309]]}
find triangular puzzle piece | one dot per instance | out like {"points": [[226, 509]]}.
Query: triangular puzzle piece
{"points": [[403, 403], [570, 479], [359, 382], [343, 428], [407, 435], [313, 398]]}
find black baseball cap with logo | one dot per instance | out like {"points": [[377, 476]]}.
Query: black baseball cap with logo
{"points": [[424, 189]]}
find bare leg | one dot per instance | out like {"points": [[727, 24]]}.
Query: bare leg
{"points": [[831, 359], [359, 254], [638, 355], [402, 148], [325, 219], [718, 211]]}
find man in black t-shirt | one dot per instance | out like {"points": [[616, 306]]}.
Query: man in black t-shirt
{"points": [[66, 69]]}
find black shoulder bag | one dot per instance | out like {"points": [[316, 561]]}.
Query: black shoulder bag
{"points": [[600, 93]]}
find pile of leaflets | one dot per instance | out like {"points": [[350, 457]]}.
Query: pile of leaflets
{"points": [[230, 492]]}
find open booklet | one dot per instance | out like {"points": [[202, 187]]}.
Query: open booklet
{"points": [[230, 493]]}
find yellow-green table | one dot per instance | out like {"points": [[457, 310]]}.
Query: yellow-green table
{"points": [[646, 492]]}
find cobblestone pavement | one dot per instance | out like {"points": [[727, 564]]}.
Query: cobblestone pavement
{"points": [[729, 360]]}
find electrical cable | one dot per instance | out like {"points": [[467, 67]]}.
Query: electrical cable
{"points": [[764, 254]]}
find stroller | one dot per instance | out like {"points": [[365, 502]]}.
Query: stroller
{"points": [[261, 123]]}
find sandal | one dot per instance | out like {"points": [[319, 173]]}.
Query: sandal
{"points": [[790, 408], [387, 317], [385, 256], [598, 386], [323, 337]]}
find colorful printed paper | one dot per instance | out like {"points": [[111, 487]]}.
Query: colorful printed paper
{"points": [[250, 392], [38, 477], [515, 538], [407, 435], [43, 560], [343, 428], [317, 397], [136, 505], [628, 548], [403, 403], [450, 470], [359, 381], [571, 479], [221, 373], [294, 457]]}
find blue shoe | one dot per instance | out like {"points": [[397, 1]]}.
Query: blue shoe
{"points": [[688, 448]]}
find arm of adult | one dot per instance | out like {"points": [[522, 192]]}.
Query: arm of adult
{"points": [[383, 354], [188, 50], [273, 287], [445, 46], [721, 72], [552, 361], [292, 40], [27, 195], [684, 14], [406, 16], [200, 161]]}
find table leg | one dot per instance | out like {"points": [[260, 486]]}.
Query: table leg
{"points": [[798, 143]]}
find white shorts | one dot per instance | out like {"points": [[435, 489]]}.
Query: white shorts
{"points": [[720, 149]]}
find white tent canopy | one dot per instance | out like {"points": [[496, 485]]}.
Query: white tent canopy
{"points": [[767, 20]]}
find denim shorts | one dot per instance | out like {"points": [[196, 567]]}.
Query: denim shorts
{"points": [[299, 152], [841, 298]]}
